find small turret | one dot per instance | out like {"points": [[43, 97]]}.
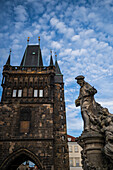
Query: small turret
{"points": [[8, 60], [51, 59], [57, 68]]}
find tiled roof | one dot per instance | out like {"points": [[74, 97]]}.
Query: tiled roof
{"points": [[71, 138]]}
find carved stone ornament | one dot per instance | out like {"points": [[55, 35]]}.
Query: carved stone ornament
{"points": [[97, 137]]}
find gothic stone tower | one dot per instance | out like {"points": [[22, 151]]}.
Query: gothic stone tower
{"points": [[32, 114]]}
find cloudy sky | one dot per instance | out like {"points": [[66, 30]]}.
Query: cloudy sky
{"points": [[80, 31]]}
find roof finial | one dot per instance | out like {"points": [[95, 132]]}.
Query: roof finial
{"points": [[39, 40], [28, 40], [51, 51], [10, 52], [55, 56]]}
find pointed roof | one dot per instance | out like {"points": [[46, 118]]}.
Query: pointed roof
{"points": [[8, 61], [51, 61], [57, 68], [32, 56]]}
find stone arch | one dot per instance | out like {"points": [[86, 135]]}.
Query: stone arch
{"points": [[18, 157]]}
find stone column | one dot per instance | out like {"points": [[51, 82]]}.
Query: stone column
{"points": [[92, 154]]}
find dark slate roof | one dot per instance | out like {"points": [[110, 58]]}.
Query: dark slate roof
{"points": [[51, 61], [57, 68], [8, 60], [32, 56]]}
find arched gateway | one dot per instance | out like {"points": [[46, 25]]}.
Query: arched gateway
{"points": [[32, 114], [15, 159]]}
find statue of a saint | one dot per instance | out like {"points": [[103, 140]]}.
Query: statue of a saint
{"points": [[96, 118], [85, 100]]}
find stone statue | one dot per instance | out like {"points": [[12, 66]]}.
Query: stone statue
{"points": [[98, 129], [85, 100]]}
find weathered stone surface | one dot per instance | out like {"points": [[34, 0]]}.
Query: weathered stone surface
{"points": [[31, 127], [97, 137]]}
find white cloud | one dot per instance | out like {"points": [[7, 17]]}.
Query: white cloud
{"points": [[75, 37], [62, 28], [21, 14], [55, 45]]}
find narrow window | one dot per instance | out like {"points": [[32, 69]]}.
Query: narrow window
{"points": [[62, 117], [14, 93], [60, 98], [77, 162], [71, 162], [20, 93], [63, 137], [70, 148], [4, 80], [62, 126], [40, 93], [35, 93], [76, 148], [61, 108]]}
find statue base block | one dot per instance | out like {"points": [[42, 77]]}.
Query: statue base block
{"points": [[93, 157]]}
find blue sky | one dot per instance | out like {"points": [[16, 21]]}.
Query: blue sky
{"points": [[80, 31]]}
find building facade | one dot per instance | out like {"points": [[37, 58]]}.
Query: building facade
{"points": [[74, 153], [32, 114]]}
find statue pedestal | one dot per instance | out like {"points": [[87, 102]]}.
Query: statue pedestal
{"points": [[92, 154]]}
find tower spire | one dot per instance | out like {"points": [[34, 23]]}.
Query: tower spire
{"points": [[51, 59], [8, 60], [57, 68]]}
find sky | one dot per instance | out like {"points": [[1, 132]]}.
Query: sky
{"points": [[79, 31]]}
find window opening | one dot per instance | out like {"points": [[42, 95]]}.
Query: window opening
{"points": [[70, 148], [62, 117], [14, 93], [71, 162], [60, 98], [20, 93], [77, 162], [35, 93], [40, 93], [3, 80], [76, 148], [63, 137]]}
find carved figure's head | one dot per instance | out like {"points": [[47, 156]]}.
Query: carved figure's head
{"points": [[80, 80]]}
